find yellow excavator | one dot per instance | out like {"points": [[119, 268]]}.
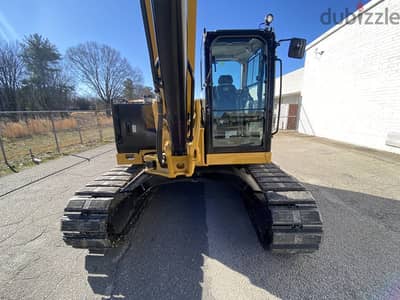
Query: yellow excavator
{"points": [[176, 137]]}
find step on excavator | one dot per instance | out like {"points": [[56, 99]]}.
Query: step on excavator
{"points": [[175, 137]]}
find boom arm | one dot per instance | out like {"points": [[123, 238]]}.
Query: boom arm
{"points": [[170, 28]]}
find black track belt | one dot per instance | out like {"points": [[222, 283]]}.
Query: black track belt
{"points": [[99, 214], [284, 214]]}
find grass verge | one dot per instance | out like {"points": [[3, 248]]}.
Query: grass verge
{"points": [[43, 146]]}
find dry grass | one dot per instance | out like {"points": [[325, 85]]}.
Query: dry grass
{"points": [[105, 121], [65, 124], [43, 146], [34, 126], [14, 129], [76, 132], [43, 126]]}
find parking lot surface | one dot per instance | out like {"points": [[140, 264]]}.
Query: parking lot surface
{"points": [[195, 240]]}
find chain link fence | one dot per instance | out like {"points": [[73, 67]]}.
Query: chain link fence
{"points": [[31, 137]]}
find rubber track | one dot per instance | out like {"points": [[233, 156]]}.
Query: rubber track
{"points": [[285, 214], [88, 218]]}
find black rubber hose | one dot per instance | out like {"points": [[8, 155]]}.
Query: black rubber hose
{"points": [[159, 136], [280, 96], [191, 103]]}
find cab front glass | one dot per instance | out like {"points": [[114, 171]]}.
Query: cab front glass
{"points": [[238, 92]]}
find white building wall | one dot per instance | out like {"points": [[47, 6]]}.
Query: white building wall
{"points": [[286, 101], [351, 89], [284, 116], [292, 84]]}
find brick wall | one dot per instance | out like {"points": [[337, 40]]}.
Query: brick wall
{"points": [[351, 87]]}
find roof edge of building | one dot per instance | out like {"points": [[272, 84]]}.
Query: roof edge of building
{"points": [[298, 70], [345, 22]]}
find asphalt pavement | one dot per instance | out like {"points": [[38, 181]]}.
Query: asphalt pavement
{"points": [[195, 240]]}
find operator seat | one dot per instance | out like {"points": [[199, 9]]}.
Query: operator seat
{"points": [[225, 94]]}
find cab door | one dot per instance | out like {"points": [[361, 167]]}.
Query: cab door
{"points": [[236, 102]]}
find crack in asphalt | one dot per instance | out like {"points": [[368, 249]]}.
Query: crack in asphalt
{"points": [[13, 223], [33, 221], [21, 269], [28, 241], [8, 237], [55, 288], [53, 173]]}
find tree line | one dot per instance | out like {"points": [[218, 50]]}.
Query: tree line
{"points": [[35, 76]]}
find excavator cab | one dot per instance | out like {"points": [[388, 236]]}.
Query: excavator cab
{"points": [[238, 67]]}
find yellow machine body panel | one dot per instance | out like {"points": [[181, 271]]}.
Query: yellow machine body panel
{"points": [[239, 158], [185, 165]]}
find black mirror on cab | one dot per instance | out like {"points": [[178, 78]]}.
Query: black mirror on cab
{"points": [[297, 48]]}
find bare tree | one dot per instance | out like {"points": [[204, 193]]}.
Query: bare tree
{"points": [[11, 72], [102, 69]]}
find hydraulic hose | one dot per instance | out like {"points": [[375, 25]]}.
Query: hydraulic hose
{"points": [[280, 96], [159, 133]]}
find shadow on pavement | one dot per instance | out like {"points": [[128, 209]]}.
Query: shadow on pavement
{"points": [[164, 255], [168, 248], [358, 258]]}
